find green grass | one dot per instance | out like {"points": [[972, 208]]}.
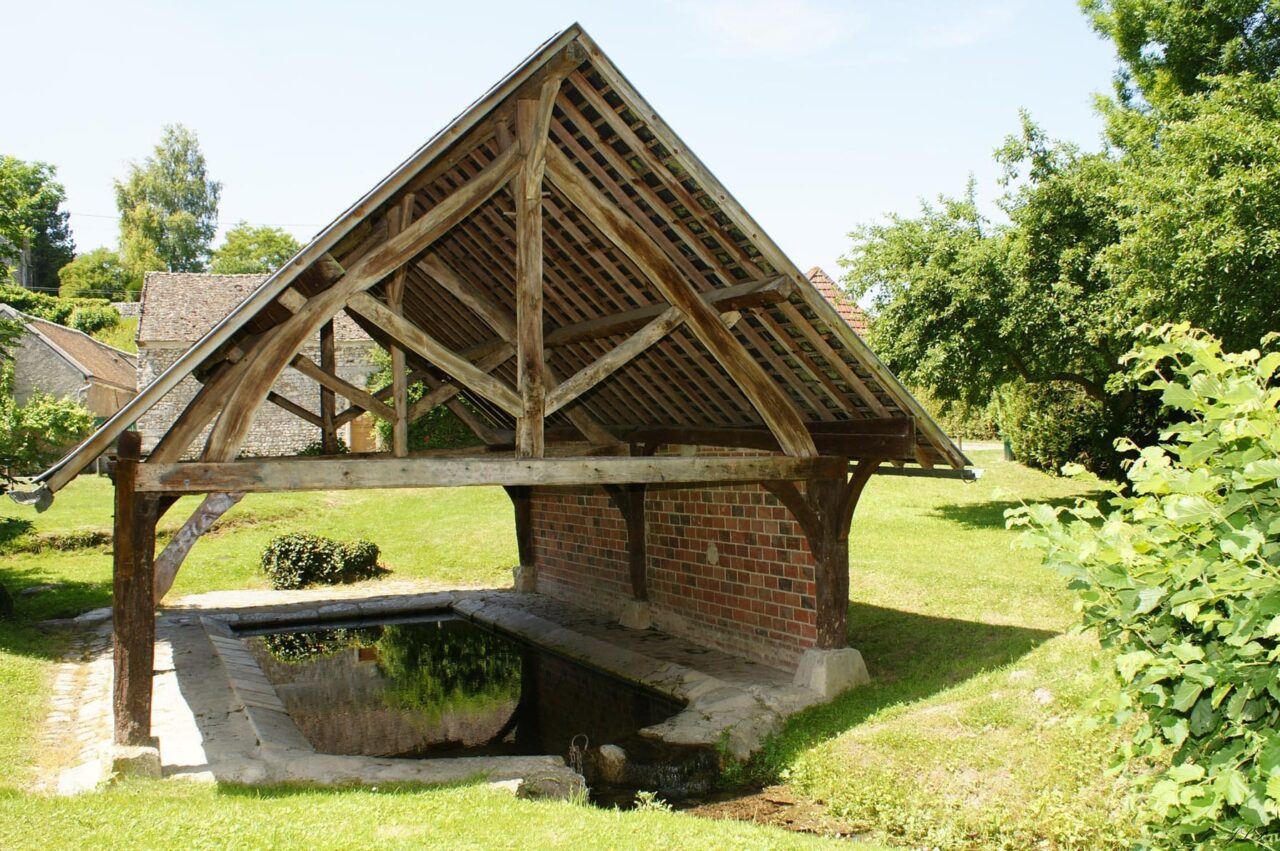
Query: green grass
{"points": [[975, 732]]}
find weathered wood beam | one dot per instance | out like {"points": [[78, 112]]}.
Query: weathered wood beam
{"points": [[132, 598], [774, 407], [435, 352], [324, 378], [629, 500], [898, 443], [441, 393], [343, 473], [522, 502], [175, 552], [287, 404], [613, 360], [532, 120], [399, 379], [329, 366], [270, 358], [737, 297]]}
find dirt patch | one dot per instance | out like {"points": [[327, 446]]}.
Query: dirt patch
{"points": [[777, 806]]}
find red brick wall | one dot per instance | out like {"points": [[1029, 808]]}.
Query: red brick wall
{"points": [[728, 566]]}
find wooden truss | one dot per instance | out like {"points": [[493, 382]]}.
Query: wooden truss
{"points": [[580, 291]]}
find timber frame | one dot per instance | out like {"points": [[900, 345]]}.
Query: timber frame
{"points": [[562, 273]]}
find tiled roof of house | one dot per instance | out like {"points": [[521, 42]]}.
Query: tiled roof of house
{"points": [[181, 307], [95, 359], [845, 306]]}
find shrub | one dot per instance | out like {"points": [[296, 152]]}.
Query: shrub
{"points": [[1181, 579], [46, 306], [1049, 425], [301, 559], [34, 435], [93, 318], [316, 447]]}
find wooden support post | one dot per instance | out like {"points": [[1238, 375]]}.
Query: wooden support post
{"points": [[133, 598], [532, 120], [399, 380], [328, 363], [630, 501], [825, 513], [527, 571]]}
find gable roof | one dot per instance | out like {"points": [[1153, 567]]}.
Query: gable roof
{"points": [[845, 306], [182, 307], [94, 359], [607, 141]]}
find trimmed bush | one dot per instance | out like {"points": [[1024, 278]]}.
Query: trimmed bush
{"points": [[1180, 578], [93, 318], [302, 559]]}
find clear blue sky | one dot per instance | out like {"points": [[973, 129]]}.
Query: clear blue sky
{"points": [[817, 115]]}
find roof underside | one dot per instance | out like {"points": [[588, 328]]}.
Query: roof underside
{"points": [[635, 163]]}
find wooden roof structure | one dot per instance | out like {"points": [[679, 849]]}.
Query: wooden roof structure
{"points": [[558, 258]]}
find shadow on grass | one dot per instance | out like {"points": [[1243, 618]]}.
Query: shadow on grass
{"points": [[24, 634], [990, 514], [910, 657], [12, 528]]}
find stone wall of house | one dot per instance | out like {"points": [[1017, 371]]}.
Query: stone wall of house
{"points": [[275, 431], [38, 368], [128, 309], [728, 567]]}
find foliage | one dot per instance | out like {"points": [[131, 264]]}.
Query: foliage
{"points": [[1168, 47], [48, 307], [447, 665], [439, 428], [316, 448], [1050, 425], [123, 335], [959, 420], [1198, 211], [91, 319], [295, 647], [301, 559], [98, 273], [31, 222], [168, 208], [1180, 578], [34, 435], [248, 249]]}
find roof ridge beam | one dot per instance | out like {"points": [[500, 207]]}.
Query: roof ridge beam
{"points": [[773, 405]]}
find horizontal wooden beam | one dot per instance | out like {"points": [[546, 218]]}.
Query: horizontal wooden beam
{"points": [[427, 347], [299, 474], [737, 297], [359, 396], [853, 444]]}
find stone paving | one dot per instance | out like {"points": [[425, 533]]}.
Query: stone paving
{"points": [[217, 718]]}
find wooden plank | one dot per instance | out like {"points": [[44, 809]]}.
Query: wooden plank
{"points": [[399, 379], [343, 473], [132, 598], [737, 297], [768, 399], [532, 119], [294, 408], [326, 379], [328, 366], [610, 362], [431, 350], [854, 444]]}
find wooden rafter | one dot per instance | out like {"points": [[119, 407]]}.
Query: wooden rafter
{"points": [[335, 384]]}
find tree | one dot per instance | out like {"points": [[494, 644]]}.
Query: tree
{"points": [[249, 249], [34, 233], [168, 208], [1170, 47], [96, 274]]}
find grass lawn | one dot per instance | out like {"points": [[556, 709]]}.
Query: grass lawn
{"points": [[975, 732]]}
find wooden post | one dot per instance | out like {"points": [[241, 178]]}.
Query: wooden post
{"points": [[329, 363], [395, 301], [522, 500], [133, 598], [531, 131], [630, 501]]}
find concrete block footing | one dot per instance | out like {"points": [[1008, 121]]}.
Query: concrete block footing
{"points": [[830, 672], [526, 578], [635, 615], [135, 760]]}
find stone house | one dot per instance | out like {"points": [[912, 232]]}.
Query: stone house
{"points": [[845, 306], [66, 363], [178, 308]]}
